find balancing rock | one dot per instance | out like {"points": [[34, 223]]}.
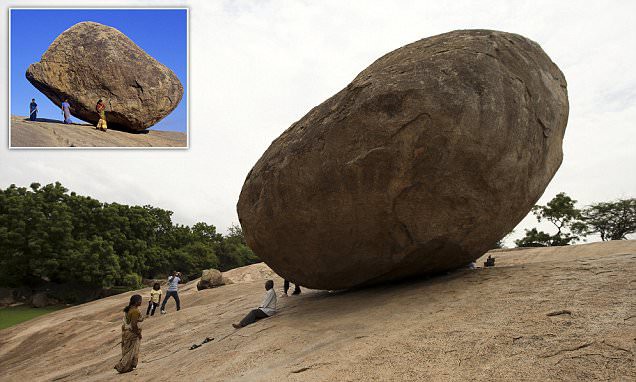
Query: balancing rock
{"points": [[425, 160], [90, 61]]}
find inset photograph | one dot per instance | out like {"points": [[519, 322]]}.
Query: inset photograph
{"points": [[98, 78]]}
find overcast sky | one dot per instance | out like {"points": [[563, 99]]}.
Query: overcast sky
{"points": [[258, 66]]}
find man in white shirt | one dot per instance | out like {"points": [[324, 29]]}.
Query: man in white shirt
{"points": [[267, 308]]}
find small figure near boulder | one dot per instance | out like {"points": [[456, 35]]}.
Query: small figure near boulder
{"points": [[155, 298], [173, 286], [66, 111], [33, 108], [490, 261], [101, 110], [286, 288], [130, 335], [267, 308]]}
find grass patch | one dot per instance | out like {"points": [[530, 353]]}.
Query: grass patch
{"points": [[14, 315]]}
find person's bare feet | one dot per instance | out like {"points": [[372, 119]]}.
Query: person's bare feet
{"points": [[237, 326]]}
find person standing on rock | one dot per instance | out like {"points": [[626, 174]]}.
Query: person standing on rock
{"points": [[155, 297], [130, 336], [66, 111], [33, 110], [173, 286], [286, 288], [101, 124], [267, 308]]}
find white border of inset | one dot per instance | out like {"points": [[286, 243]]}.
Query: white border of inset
{"points": [[186, 147]]}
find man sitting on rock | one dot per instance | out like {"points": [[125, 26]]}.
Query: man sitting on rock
{"points": [[267, 308]]}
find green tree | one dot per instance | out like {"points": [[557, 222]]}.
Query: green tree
{"points": [[535, 238], [233, 250], [94, 263], [48, 234], [562, 213], [611, 220]]}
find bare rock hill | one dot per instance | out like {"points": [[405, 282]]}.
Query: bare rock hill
{"points": [[49, 133], [545, 314]]}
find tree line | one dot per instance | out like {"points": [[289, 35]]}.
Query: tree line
{"points": [[612, 220], [50, 235]]}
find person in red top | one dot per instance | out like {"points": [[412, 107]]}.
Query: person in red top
{"points": [[101, 110]]}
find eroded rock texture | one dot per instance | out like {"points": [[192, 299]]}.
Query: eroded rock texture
{"points": [[90, 61], [424, 161]]}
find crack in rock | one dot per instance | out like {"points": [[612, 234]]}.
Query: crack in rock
{"points": [[582, 346], [558, 313]]}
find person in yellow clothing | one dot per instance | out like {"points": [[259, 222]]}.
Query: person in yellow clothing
{"points": [[130, 336], [101, 110], [155, 298]]}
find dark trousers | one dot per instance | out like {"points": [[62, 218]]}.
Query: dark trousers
{"points": [[153, 306], [33, 116], [176, 298], [286, 287], [253, 316]]}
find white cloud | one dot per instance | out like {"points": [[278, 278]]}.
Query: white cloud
{"points": [[256, 67]]}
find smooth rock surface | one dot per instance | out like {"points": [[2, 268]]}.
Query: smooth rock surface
{"points": [[50, 133], [493, 324], [90, 61], [426, 159]]}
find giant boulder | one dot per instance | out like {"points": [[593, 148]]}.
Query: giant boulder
{"points": [[425, 160], [90, 61]]}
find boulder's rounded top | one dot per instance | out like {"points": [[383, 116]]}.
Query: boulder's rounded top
{"points": [[89, 24], [82, 28]]}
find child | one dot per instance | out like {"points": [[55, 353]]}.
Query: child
{"points": [[155, 297]]}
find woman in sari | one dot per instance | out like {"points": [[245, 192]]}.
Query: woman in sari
{"points": [[130, 336], [101, 110]]}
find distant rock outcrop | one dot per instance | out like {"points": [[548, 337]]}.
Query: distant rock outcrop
{"points": [[90, 61], [424, 161], [211, 278], [40, 300]]}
